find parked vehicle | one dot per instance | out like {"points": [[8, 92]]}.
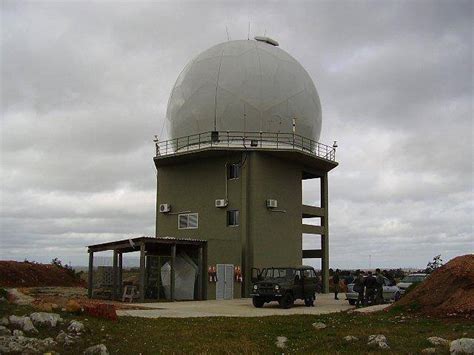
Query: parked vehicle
{"points": [[390, 292], [407, 281], [285, 285]]}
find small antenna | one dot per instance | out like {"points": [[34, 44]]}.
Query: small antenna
{"points": [[227, 31], [248, 33]]}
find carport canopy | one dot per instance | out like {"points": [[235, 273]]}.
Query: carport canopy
{"points": [[147, 245]]}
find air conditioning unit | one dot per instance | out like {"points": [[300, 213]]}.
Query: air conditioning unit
{"points": [[165, 208], [272, 203], [220, 203]]}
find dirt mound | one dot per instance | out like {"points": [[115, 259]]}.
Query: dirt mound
{"points": [[449, 291], [26, 274]]}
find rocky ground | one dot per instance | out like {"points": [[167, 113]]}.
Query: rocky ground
{"points": [[24, 330], [20, 334], [435, 318]]}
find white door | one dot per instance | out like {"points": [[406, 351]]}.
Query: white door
{"points": [[225, 282]]}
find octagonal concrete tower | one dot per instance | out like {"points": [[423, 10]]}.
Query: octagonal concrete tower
{"points": [[244, 119]]}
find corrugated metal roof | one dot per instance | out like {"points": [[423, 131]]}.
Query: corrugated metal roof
{"points": [[138, 240]]}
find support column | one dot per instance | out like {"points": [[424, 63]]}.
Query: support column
{"points": [[90, 274], [114, 275], [142, 272], [200, 274], [173, 259], [120, 275], [325, 236]]}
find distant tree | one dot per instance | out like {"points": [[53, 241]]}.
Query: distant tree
{"points": [[435, 264], [57, 262]]}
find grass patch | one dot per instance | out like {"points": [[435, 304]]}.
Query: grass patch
{"points": [[130, 335]]}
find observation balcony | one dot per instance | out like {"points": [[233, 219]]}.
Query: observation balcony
{"points": [[233, 140]]}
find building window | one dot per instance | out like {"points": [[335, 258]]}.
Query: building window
{"points": [[233, 218], [188, 221], [233, 171]]}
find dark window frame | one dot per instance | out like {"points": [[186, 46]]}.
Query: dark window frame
{"points": [[233, 171], [233, 218]]}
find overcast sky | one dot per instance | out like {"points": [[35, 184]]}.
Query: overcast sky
{"points": [[84, 87]]}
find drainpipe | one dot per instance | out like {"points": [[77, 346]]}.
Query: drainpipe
{"points": [[226, 182]]}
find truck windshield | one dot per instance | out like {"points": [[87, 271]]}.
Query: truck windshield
{"points": [[278, 273]]}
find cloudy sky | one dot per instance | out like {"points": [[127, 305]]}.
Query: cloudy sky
{"points": [[84, 87]]}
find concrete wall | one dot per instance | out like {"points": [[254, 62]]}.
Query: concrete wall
{"points": [[263, 238], [275, 235], [194, 186]]}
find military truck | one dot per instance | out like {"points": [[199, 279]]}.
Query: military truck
{"points": [[285, 285]]}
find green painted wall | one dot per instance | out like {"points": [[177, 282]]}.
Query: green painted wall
{"points": [[194, 186], [275, 235], [263, 238]]}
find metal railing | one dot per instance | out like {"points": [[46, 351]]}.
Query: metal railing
{"points": [[246, 140]]}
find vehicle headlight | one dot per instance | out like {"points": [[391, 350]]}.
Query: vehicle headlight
{"points": [[255, 287], [277, 287]]}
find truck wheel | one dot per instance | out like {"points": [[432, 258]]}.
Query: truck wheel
{"points": [[287, 301], [258, 302], [352, 302]]}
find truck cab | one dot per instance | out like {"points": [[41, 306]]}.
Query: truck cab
{"points": [[284, 285]]}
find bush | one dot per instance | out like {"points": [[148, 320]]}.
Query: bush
{"points": [[69, 270]]}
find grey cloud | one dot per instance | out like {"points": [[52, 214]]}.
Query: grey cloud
{"points": [[84, 87]]}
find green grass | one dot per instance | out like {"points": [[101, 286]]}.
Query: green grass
{"points": [[131, 335]]}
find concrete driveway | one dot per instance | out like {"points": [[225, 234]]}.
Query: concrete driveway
{"points": [[234, 308]]}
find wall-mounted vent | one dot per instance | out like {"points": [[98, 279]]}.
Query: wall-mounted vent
{"points": [[165, 208], [220, 203], [272, 203]]}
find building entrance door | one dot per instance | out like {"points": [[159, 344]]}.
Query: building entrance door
{"points": [[225, 282]]}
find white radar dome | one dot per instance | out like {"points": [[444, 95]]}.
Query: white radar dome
{"points": [[244, 85]]}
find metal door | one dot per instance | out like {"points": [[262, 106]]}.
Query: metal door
{"points": [[225, 282]]}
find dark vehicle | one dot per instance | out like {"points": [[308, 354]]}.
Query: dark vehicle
{"points": [[285, 285]]}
